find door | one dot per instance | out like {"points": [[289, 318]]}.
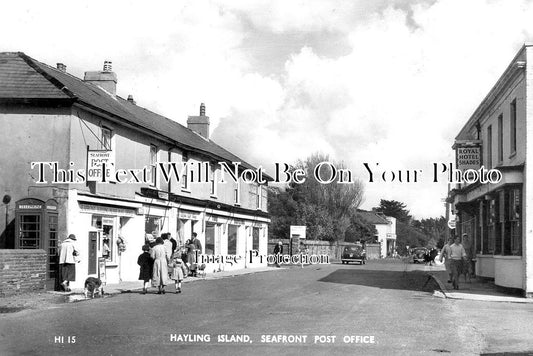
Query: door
{"points": [[93, 252]]}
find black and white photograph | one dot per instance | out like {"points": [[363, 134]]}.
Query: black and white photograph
{"points": [[209, 177]]}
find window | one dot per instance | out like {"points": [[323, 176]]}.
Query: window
{"points": [[255, 238], [264, 197], [213, 178], [153, 162], [237, 194], [185, 170], [515, 215], [52, 245], [513, 127], [209, 239], [491, 220], [232, 239], [30, 231], [107, 134], [489, 147], [500, 139], [152, 227]]}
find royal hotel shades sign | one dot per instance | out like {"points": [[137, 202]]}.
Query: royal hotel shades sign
{"points": [[468, 156]]}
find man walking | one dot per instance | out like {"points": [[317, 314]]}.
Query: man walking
{"points": [[445, 253], [457, 254]]}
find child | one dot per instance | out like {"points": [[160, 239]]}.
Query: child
{"points": [[147, 265], [177, 271]]}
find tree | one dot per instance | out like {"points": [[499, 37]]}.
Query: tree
{"points": [[395, 209], [326, 209]]}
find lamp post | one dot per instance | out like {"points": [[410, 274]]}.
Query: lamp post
{"points": [[6, 201]]}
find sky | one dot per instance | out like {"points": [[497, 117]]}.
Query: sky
{"points": [[387, 83]]}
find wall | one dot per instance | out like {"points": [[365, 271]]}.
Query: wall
{"points": [[508, 271], [30, 135], [22, 271]]}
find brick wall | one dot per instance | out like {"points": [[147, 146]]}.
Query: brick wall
{"points": [[332, 249], [22, 271]]}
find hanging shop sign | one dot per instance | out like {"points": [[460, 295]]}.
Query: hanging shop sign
{"points": [[468, 157], [100, 165]]}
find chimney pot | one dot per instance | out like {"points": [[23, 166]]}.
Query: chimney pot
{"points": [[130, 99], [199, 124], [108, 66], [61, 67]]}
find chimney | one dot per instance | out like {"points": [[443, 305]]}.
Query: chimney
{"points": [[130, 99], [106, 79], [199, 124], [61, 67]]}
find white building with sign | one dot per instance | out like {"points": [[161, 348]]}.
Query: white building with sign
{"points": [[75, 127], [498, 218]]}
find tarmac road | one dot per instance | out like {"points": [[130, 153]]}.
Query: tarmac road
{"points": [[384, 307]]}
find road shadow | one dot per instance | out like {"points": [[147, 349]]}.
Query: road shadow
{"points": [[399, 280]]}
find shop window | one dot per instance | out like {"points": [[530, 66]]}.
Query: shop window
{"points": [[107, 243], [255, 238], [515, 215], [232, 239], [152, 227], [209, 239], [30, 231], [491, 225]]}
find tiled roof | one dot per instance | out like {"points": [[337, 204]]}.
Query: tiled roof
{"points": [[22, 77], [373, 217], [18, 80]]}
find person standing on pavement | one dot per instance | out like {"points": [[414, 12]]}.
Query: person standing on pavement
{"points": [[445, 253], [161, 261], [196, 250], [278, 251], [146, 263], [457, 254], [67, 261], [177, 271]]}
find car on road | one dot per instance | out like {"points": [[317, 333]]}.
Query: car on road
{"points": [[418, 254], [355, 253]]}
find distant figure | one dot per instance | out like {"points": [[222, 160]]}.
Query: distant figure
{"points": [[67, 261], [195, 246], [161, 261], [445, 253], [146, 263], [278, 251]]}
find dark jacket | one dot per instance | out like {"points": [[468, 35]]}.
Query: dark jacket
{"points": [[147, 266], [278, 249]]}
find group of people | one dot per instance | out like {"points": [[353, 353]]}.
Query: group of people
{"points": [[163, 262]]}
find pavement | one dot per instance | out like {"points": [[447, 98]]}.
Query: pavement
{"points": [[134, 286], [478, 289]]}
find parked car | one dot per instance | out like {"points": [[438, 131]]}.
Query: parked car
{"points": [[418, 254], [354, 253]]}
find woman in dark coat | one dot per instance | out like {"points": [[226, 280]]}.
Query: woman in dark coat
{"points": [[147, 267]]}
